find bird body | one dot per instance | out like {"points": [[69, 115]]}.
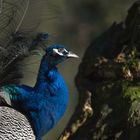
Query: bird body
{"points": [[45, 103]]}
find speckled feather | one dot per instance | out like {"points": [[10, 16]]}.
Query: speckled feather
{"points": [[14, 125]]}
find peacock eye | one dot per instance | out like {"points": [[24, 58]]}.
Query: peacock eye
{"points": [[61, 50]]}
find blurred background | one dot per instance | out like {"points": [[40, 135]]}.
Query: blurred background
{"points": [[74, 23]]}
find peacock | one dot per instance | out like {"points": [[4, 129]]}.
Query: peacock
{"points": [[42, 105]]}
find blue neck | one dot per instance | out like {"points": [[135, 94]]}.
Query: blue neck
{"points": [[50, 84], [43, 73]]}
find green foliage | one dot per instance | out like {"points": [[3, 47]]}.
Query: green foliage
{"points": [[132, 93]]}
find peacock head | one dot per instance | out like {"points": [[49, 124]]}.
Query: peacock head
{"points": [[56, 54]]}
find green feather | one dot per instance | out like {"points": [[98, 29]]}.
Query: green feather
{"points": [[9, 93]]}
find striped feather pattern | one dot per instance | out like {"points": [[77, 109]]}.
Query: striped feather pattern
{"points": [[14, 125]]}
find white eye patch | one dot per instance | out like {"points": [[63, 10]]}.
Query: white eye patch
{"points": [[60, 51]]}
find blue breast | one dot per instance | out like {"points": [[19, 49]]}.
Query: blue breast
{"points": [[53, 102], [44, 104]]}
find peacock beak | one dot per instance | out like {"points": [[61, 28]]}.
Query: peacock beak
{"points": [[72, 55]]}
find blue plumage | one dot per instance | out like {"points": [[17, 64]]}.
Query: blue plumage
{"points": [[45, 103]]}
